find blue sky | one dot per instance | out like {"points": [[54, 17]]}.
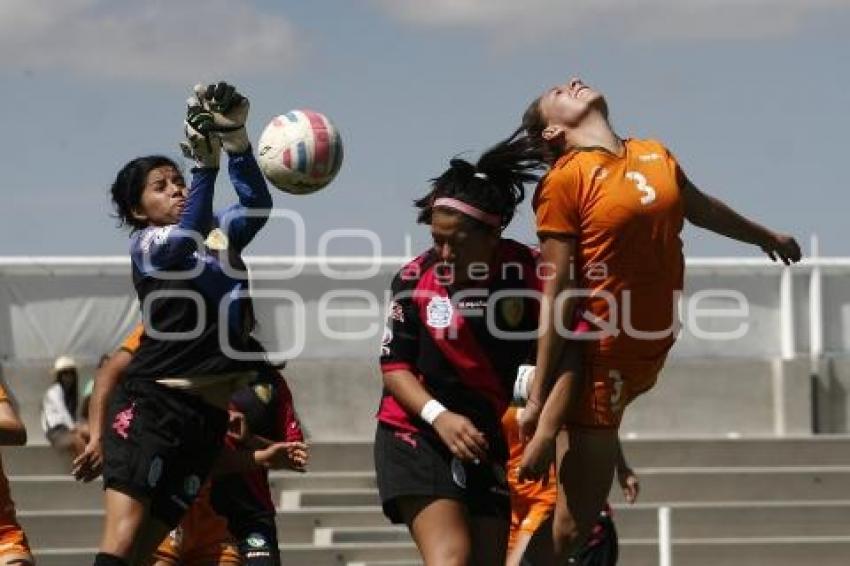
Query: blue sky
{"points": [[752, 96]]}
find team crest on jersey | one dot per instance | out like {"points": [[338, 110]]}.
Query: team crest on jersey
{"points": [[512, 310], [216, 240], [439, 312], [263, 391]]}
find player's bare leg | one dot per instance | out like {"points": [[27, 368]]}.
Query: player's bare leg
{"points": [[560, 402], [585, 463], [440, 529], [129, 532], [517, 551]]}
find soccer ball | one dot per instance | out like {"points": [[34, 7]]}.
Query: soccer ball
{"points": [[300, 152]]}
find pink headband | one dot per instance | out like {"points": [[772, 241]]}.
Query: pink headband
{"points": [[493, 220]]}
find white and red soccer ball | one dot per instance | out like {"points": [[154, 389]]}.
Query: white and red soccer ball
{"points": [[300, 152]]}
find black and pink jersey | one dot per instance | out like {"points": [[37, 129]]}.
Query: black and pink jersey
{"points": [[464, 344]]}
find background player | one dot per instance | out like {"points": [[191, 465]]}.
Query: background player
{"points": [[532, 505]]}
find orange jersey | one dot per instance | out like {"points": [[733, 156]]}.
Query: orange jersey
{"points": [[134, 339], [626, 214], [531, 502]]}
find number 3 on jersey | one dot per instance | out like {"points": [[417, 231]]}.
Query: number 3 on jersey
{"points": [[647, 191]]}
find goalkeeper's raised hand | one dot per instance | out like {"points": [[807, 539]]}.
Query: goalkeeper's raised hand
{"points": [[201, 144], [229, 111]]}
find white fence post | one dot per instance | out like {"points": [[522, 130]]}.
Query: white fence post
{"points": [[786, 313], [665, 543], [815, 310]]}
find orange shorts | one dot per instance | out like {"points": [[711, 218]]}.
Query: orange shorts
{"points": [[13, 541], [201, 538], [531, 504], [608, 389]]}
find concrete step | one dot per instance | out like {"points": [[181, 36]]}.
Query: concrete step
{"points": [[822, 450], [690, 522], [45, 492], [38, 493], [664, 485], [823, 551], [805, 483], [832, 450], [34, 459], [295, 554], [83, 528], [701, 520], [280, 481], [716, 552], [793, 483], [738, 520], [328, 498]]}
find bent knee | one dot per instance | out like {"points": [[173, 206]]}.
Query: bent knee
{"points": [[450, 553]]}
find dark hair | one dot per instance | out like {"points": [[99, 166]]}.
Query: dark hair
{"points": [[129, 183], [495, 184], [532, 126]]}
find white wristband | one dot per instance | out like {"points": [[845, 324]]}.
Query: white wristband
{"points": [[522, 385], [431, 410]]}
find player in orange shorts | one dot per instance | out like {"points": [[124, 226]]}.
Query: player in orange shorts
{"points": [[532, 503], [14, 547], [609, 216], [201, 539]]}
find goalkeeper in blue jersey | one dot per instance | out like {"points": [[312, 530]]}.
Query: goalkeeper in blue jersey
{"points": [[167, 419]]}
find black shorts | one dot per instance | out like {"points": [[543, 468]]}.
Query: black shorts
{"points": [[160, 445], [415, 464], [245, 501]]}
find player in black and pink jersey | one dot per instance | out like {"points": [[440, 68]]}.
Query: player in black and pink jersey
{"points": [[462, 320]]}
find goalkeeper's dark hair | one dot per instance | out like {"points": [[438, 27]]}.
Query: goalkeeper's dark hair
{"points": [[494, 184], [129, 184]]}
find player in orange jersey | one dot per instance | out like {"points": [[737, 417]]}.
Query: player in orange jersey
{"points": [[532, 503], [14, 548], [609, 214]]}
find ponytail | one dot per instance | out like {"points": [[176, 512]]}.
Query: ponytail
{"points": [[495, 184]]}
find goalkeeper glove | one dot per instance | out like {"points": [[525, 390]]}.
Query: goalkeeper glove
{"points": [[201, 145], [229, 110]]}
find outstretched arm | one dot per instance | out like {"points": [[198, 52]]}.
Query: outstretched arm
{"points": [[712, 214], [89, 464], [242, 221], [558, 256]]}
